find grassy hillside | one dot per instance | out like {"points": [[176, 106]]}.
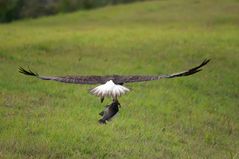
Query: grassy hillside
{"points": [[191, 117]]}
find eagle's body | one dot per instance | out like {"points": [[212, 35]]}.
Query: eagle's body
{"points": [[111, 86]]}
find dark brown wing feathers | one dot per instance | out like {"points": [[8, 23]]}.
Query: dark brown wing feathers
{"points": [[190, 71], [118, 79]]}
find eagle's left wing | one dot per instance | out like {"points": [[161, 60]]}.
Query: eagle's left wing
{"points": [[68, 79]]}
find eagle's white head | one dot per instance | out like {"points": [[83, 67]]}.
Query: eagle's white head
{"points": [[109, 89]]}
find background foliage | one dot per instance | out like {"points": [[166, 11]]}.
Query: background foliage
{"points": [[16, 9]]}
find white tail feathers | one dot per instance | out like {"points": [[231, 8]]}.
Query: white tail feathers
{"points": [[109, 89]]}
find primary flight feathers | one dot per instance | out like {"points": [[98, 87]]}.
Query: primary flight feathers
{"points": [[117, 79]]}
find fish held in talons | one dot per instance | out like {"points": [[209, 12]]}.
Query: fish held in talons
{"points": [[109, 112]]}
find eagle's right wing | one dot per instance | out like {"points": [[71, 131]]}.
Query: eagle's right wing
{"points": [[141, 78]]}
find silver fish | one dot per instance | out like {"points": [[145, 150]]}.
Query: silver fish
{"points": [[109, 112]]}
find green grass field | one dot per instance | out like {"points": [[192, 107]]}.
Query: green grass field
{"points": [[192, 117]]}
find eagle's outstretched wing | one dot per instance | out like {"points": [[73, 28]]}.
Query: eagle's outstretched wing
{"points": [[117, 79]]}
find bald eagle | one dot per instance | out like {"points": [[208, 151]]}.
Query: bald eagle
{"points": [[111, 85]]}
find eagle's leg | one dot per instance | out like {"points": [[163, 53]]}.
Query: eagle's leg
{"points": [[102, 99], [115, 100]]}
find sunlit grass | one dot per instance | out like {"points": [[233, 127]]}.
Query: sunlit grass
{"points": [[192, 117]]}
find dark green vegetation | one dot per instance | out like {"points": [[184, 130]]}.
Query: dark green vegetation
{"points": [[190, 117], [17, 9]]}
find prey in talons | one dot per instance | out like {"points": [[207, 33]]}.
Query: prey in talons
{"points": [[109, 112]]}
